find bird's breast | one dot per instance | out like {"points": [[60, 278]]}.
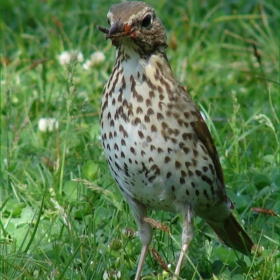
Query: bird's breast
{"points": [[148, 140]]}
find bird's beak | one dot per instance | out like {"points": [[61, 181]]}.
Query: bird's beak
{"points": [[118, 31]]}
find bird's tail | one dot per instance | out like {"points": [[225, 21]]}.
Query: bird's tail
{"points": [[233, 235]]}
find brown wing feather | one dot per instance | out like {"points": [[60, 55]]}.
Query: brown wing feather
{"points": [[205, 137]]}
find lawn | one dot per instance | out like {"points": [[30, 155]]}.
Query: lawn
{"points": [[61, 214]]}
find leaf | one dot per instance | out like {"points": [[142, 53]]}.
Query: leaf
{"points": [[90, 170], [70, 189]]}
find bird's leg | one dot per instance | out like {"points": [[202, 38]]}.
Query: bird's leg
{"points": [[187, 235], [145, 231], [141, 261]]}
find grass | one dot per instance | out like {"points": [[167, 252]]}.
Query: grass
{"points": [[62, 217]]}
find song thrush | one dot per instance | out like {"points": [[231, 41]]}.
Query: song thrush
{"points": [[158, 147]]}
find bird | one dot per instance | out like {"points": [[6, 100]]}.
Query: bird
{"points": [[157, 145]]}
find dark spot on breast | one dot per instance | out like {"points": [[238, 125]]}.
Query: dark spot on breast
{"points": [[146, 118], [205, 168], [176, 131], [148, 139], [132, 150], [187, 136], [194, 113], [168, 175], [195, 153], [137, 121], [148, 102], [121, 129], [123, 83], [105, 105], [155, 169], [120, 97], [182, 180], [118, 167], [181, 145], [197, 192], [150, 112], [205, 193], [140, 98], [180, 122], [194, 162], [164, 125], [125, 103], [198, 172], [203, 149], [141, 134], [152, 178], [153, 128], [151, 94], [132, 82], [177, 164], [206, 179], [161, 105], [160, 116], [167, 159], [168, 113], [183, 173]]}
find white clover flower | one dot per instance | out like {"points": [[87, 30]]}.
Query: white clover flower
{"points": [[87, 64], [47, 124], [97, 58], [66, 56], [80, 56], [106, 276]]}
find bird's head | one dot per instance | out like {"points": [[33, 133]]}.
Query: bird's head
{"points": [[135, 24]]}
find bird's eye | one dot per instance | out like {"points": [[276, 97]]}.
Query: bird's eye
{"points": [[147, 21]]}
